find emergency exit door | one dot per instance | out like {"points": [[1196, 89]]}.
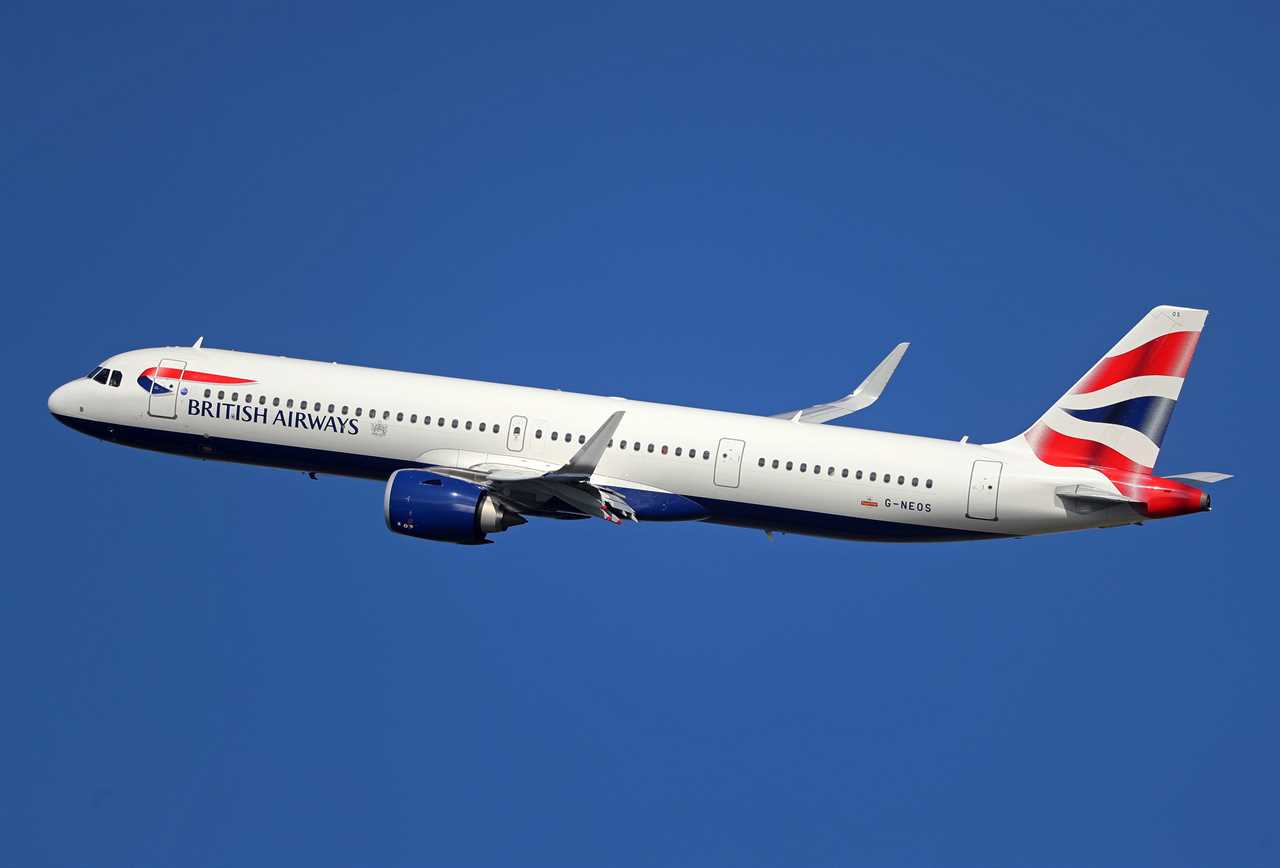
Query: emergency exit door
{"points": [[984, 490], [729, 462], [166, 379], [515, 433]]}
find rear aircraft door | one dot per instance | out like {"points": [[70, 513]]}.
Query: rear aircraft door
{"points": [[984, 490], [729, 462], [166, 379], [515, 433]]}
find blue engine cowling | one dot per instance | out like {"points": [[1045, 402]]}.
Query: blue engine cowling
{"points": [[426, 505]]}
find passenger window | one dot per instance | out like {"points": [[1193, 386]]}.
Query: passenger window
{"points": [[803, 467], [399, 417], [262, 400], [440, 422], [288, 403], [650, 448], [844, 474], [555, 435], [537, 435], [248, 399], [301, 406], [235, 396], [468, 425], [831, 471], [101, 376], [482, 427], [664, 450], [775, 464], [345, 409], [582, 438], [928, 483], [426, 420], [115, 378], [275, 402], [901, 480], [495, 429], [789, 465], [568, 438], [622, 445], [386, 414], [455, 424], [872, 477], [222, 395], [817, 469], [359, 411], [693, 453], [635, 447], [858, 475], [330, 408], [706, 455], [887, 479], [760, 463], [207, 393], [915, 481]]}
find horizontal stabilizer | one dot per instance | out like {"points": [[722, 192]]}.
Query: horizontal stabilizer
{"points": [[860, 398], [1205, 476], [1086, 498]]}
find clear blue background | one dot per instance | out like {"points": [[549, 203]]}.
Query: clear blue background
{"points": [[732, 207]]}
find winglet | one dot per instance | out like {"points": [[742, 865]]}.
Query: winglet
{"points": [[864, 396], [199, 342], [584, 461], [873, 386]]}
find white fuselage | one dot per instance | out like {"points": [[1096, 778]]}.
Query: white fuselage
{"points": [[753, 471]]}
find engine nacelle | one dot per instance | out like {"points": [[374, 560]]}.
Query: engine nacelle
{"points": [[426, 505]]}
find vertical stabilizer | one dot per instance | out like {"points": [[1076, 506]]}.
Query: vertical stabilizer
{"points": [[1116, 415]]}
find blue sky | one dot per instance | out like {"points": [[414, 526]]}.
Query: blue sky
{"points": [[733, 207]]}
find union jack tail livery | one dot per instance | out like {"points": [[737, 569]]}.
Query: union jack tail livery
{"points": [[1114, 418]]}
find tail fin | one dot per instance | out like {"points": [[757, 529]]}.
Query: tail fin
{"points": [[1115, 416]]}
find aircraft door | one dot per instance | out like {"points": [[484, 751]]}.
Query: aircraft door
{"points": [[984, 490], [165, 379], [729, 462], [515, 433]]}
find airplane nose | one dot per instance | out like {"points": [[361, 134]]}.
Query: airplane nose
{"points": [[60, 400]]}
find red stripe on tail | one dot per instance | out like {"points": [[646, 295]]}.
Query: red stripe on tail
{"points": [[1166, 356], [1063, 451]]}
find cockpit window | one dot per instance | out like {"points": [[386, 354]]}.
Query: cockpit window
{"points": [[115, 378], [92, 374], [101, 376]]}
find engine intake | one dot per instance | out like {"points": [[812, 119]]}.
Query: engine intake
{"points": [[426, 505]]}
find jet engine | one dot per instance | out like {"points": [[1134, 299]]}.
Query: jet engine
{"points": [[426, 505]]}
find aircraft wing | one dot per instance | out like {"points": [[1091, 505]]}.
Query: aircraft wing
{"points": [[860, 398], [564, 492]]}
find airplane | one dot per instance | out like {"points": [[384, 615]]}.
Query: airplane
{"points": [[461, 460]]}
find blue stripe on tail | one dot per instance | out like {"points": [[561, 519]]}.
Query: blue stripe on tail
{"points": [[1150, 415]]}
